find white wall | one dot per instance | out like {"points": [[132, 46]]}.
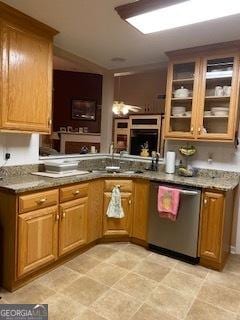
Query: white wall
{"points": [[22, 147]]}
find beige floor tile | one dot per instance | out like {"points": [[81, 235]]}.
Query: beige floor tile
{"points": [[107, 273], [183, 282], [115, 305], [147, 312], [170, 301], [124, 260], [226, 279], [61, 307], [136, 286], [220, 296], [83, 263], [233, 266], [151, 270], [204, 311], [101, 252], [85, 290], [118, 245], [162, 260], [3, 301], [137, 251], [33, 293], [58, 278], [195, 270], [89, 315]]}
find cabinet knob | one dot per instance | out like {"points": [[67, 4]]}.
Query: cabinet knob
{"points": [[57, 217], [75, 193], [192, 130], [199, 130], [129, 202], [63, 214], [41, 201], [205, 201]]}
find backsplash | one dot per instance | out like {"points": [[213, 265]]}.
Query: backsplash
{"points": [[224, 155]]}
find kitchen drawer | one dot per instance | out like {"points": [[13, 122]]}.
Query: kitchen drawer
{"points": [[38, 200], [125, 185], [74, 192]]}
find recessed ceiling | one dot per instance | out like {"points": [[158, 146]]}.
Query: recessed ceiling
{"points": [[93, 30]]}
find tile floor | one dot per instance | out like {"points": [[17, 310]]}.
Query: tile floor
{"points": [[122, 281]]}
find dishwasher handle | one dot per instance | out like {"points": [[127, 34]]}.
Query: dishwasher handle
{"points": [[187, 192]]}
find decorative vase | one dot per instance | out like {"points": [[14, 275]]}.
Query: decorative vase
{"points": [[144, 153]]}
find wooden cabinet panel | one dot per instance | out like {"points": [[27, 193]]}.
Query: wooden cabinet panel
{"points": [[73, 192], [140, 210], [37, 239], [26, 80], [73, 225], [38, 200], [118, 227], [212, 225], [95, 210]]}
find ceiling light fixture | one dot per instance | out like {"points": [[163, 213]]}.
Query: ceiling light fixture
{"points": [[169, 14]]}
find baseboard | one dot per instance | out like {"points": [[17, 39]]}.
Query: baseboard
{"points": [[233, 250]]}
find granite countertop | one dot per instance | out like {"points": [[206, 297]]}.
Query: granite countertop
{"points": [[28, 182]]}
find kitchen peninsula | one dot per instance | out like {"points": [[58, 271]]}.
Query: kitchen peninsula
{"points": [[49, 220]]}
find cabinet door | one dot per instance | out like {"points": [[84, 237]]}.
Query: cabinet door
{"points": [[140, 210], [212, 226], [182, 99], [73, 225], [26, 81], [37, 239], [218, 98], [114, 226]]}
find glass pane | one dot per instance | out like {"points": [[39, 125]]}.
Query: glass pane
{"points": [[182, 92], [217, 95]]}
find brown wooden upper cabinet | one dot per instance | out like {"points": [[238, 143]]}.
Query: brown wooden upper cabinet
{"points": [[26, 72], [203, 93]]}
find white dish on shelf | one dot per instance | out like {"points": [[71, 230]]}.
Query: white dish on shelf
{"points": [[179, 114], [220, 113]]}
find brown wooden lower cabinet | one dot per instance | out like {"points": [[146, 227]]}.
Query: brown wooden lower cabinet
{"points": [[113, 227], [215, 228], [37, 239], [73, 225]]}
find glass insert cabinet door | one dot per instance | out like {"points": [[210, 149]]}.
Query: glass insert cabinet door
{"points": [[218, 98], [180, 99]]}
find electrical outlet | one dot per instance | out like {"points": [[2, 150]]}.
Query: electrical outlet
{"points": [[7, 156]]}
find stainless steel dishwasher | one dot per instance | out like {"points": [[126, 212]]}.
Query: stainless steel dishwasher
{"points": [[178, 238]]}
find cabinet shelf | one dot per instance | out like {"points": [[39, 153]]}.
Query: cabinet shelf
{"points": [[215, 117], [217, 98], [182, 99], [187, 80], [182, 117]]}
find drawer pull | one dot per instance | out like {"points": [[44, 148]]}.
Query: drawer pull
{"points": [[75, 193], [41, 201], [63, 214], [205, 201], [129, 202], [57, 217]]}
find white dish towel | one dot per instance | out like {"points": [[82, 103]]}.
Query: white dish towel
{"points": [[115, 209]]}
